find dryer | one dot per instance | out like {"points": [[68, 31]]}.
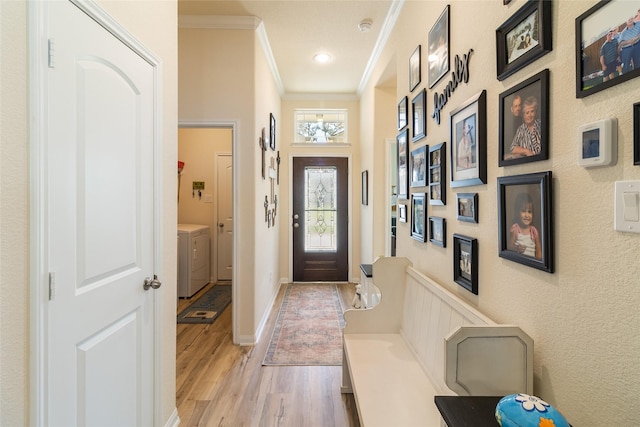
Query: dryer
{"points": [[193, 258]]}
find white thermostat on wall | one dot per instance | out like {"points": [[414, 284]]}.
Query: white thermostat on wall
{"points": [[598, 143]]}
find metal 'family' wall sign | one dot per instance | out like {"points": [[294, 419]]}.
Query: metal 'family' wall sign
{"points": [[459, 75]]}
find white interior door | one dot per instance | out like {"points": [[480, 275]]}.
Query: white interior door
{"points": [[99, 225], [225, 217]]}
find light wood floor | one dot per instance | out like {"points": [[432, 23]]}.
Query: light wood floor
{"points": [[221, 384]]}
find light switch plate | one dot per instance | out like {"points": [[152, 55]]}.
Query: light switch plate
{"points": [[627, 206]]}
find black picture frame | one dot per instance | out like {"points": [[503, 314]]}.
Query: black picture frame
{"points": [[531, 95], [402, 212], [592, 28], [438, 48], [438, 231], [467, 207], [437, 174], [418, 217], [403, 108], [415, 69], [468, 130], [419, 116], [418, 163], [365, 188], [402, 143], [533, 192], [272, 132], [636, 134], [514, 50], [465, 262]]}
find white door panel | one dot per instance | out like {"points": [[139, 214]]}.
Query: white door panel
{"points": [[100, 224], [225, 217]]}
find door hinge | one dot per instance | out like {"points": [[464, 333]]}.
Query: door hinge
{"points": [[52, 286], [51, 51]]}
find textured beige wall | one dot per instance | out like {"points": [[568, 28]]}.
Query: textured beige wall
{"points": [[584, 318]]}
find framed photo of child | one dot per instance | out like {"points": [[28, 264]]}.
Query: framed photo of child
{"points": [[525, 225]]}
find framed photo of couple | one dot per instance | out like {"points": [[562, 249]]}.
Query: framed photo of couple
{"points": [[525, 226], [523, 135], [468, 127]]}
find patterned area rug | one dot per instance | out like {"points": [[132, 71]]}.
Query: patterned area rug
{"points": [[208, 307], [308, 330]]}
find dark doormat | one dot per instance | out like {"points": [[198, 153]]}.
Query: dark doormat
{"points": [[208, 307]]}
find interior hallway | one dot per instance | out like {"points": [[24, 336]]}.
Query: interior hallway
{"points": [[221, 384]]}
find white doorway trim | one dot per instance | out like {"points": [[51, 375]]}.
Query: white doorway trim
{"points": [[390, 144], [38, 187], [233, 125]]}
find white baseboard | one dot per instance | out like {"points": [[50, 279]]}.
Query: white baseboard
{"points": [[174, 419]]}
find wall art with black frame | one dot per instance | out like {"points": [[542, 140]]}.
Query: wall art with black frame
{"points": [[636, 133], [419, 115], [606, 32], [418, 165], [403, 108], [523, 134], [467, 207], [437, 175], [365, 188], [525, 223], [438, 231], [524, 37], [272, 132], [468, 128], [418, 217], [402, 143], [438, 48], [465, 262], [415, 69]]}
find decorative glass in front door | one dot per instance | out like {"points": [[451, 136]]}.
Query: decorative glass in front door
{"points": [[320, 209]]}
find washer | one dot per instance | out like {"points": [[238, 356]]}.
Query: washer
{"points": [[193, 258]]}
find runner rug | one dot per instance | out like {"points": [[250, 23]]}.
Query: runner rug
{"points": [[208, 307], [308, 329]]}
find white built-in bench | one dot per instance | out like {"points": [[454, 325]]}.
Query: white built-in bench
{"points": [[396, 353]]}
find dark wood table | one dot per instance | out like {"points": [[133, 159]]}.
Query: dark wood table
{"points": [[468, 411]]}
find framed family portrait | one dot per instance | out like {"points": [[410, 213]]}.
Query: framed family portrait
{"points": [[437, 175], [365, 187], [272, 132], [606, 32], [524, 37], [468, 127], [403, 163], [523, 135], [415, 69], [467, 207], [418, 217], [438, 231], [438, 48], [636, 133], [418, 165], [403, 107], [419, 115], [465, 262], [525, 227]]}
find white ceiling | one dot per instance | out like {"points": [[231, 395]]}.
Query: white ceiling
{"points": [[298, 29]]}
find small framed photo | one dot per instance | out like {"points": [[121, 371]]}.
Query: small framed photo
{"points": [[403, 107], [437, 175], [465, 262], [419, 115], [468, 127], [438, 231], [415, 69], [636, 133], [467, 207], [438, 49], [525, 227], [419, 166], [272, 132], [524, 37], [418, 217], [365, 187], [402, 141], [402, 213], [607, 30], [523, 134]]}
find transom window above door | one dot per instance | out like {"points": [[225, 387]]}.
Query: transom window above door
{"points": [[321, 127]]}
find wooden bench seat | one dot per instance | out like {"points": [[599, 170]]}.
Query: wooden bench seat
{"points": [[395, 354]]}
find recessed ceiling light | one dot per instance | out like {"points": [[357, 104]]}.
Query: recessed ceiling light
{"points": [[322, 57]]}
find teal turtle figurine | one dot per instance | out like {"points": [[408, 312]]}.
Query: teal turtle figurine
{"points": [[523, 410]]}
